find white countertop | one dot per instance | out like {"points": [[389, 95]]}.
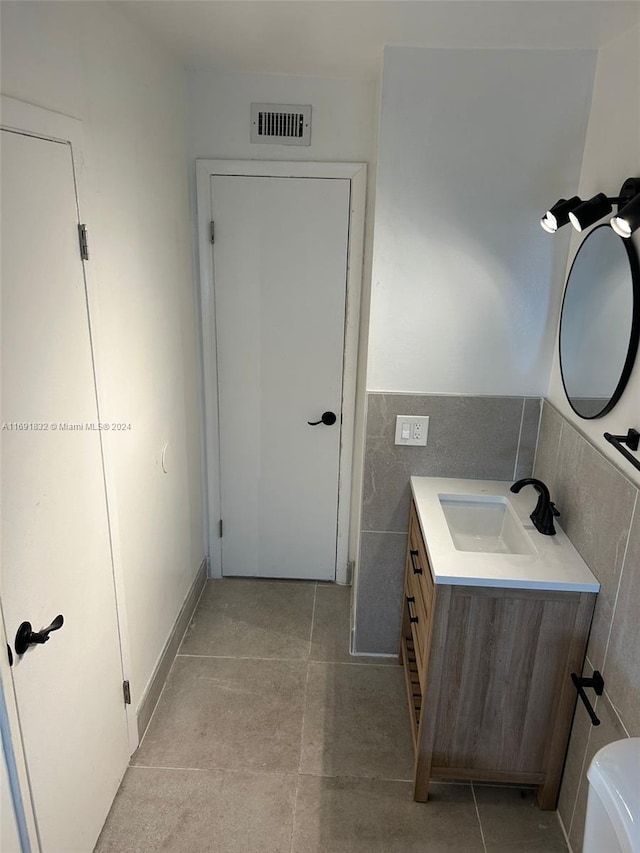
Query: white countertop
{"points": [[555, 564]]}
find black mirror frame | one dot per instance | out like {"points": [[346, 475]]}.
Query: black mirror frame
{"points": [[634, 266]]}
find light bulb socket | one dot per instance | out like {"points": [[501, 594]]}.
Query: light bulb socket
{"points": [[628, 191], [627, 219], [558, 215], [589, 212]]}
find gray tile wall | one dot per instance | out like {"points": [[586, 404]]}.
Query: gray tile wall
{"points": [[492, 438], [600, 513]]}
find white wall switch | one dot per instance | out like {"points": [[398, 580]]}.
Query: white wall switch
{"points": [[411, 430]]}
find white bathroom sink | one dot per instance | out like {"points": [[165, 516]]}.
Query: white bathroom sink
{"points": [[479, 533], [485, 524]]}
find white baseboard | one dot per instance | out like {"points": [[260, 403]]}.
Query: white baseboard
{"points": [[152, 694]]}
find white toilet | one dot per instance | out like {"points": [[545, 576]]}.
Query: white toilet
{"points": [[613, 808]]}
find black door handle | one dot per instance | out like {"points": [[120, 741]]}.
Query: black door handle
{"points": [[328, 419], [26, 637]]}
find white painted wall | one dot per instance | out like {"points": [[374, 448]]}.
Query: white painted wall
{"points": [[344, 115], [86, 60], [474, 146], [344, 129], [611, 154]]}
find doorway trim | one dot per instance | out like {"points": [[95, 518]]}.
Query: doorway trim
{"points": [[22, 117], [356, 174]]}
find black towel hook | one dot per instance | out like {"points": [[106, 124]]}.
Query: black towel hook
{"points": [[597, 682]]}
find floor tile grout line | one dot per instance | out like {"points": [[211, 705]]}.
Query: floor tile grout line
{"points": [[238, 770], [295, 810], [564, 832], [304, 715], [186, 769], [392, 532], [250, 770], [406, 781], [313, 619], [475, 802], [389, 665]]}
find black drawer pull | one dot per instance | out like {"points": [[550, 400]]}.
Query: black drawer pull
{"points": [[411, 600], [416, 569]]}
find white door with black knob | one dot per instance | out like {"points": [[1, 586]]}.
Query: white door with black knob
{"points": [[57, 584], [280, 275]]}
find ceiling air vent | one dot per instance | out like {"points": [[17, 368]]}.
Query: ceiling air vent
{"points": [[284, 124]]}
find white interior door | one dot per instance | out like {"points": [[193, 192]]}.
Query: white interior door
{"points": [[280, 272], [9, 833], [55, 537]]}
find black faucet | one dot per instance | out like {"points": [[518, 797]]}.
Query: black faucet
{"points": [[542, 516]]}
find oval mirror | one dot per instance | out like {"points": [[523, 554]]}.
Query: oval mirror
{"points": [[599, 322]]}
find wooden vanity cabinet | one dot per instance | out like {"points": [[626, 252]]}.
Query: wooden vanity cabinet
{"points": [[488, 676]]}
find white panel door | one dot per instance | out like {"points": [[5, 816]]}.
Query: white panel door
{"points": [[55, 537], [280, 267], [9, 833]]}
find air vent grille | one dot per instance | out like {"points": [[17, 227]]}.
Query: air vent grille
{"points": [[284, 124], [290, 125]]}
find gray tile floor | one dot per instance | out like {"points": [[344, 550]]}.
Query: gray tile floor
{"points": [[270, 738]]}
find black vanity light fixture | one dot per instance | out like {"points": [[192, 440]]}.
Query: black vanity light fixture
{"points": [[581, 214], [589, 212], [558, 215], [628, 219]]}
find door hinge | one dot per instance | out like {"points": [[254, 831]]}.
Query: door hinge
{"points": [[212, 232], [220, 528], [126, 689], [84, 244]]}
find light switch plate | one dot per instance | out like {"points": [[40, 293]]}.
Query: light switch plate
{"points": [[411, 430]]}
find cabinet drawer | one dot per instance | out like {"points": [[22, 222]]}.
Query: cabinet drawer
{"points": [[418, 566], [419, 615]]}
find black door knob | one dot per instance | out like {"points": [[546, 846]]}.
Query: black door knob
{"points": [[328, 419], [26, 636]]}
